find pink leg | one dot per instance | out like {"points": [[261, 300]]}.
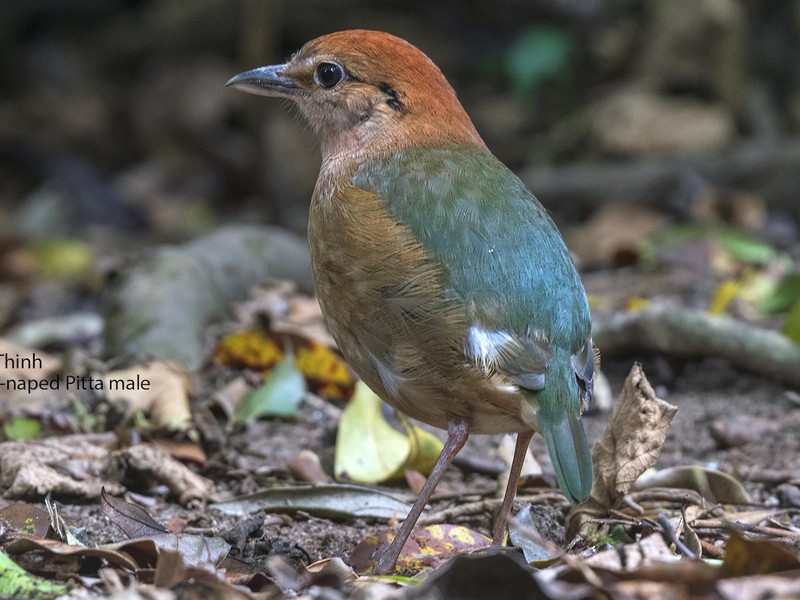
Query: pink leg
{"points": [[457, 434], [523, 439]]}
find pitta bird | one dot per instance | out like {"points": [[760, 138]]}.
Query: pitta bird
{"points": [[443, 280]]}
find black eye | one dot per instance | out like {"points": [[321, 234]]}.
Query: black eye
{"points": [[328, 74]]}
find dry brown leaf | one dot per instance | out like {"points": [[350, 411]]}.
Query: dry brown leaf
{"points": [[114, 556], [629, 446], [639, 123], [75, 465], [152, 461], [745, 557], [159, 389], [614, 233], [21, 518], [764, 586], [645, 552], [31, 380], [306, 466]]}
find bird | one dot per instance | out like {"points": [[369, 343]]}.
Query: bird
{"points": [[444, 282]]}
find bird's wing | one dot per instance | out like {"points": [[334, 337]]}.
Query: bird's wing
{"points": [[505, 262], [503, 257]]}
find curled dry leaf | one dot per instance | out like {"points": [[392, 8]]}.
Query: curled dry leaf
{"points": [[639, 554], [113, 556], [629, 446], [758, 557], [306, 466], [150, 460], [714, 486], [199, 581]]}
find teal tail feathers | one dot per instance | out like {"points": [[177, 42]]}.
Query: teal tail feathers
{"points": [[570, 454]]}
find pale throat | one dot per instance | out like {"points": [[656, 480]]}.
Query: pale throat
{"points": [[359, 138]]}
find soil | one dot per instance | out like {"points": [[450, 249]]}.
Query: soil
{"points": [[256, 456]]}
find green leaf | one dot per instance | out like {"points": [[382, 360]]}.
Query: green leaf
{"points": [[278, 397], [791, 329], [734, 243], [539, 54], [15, 582], [22, 428], [64, 259], [745, 247], [783, 296]]}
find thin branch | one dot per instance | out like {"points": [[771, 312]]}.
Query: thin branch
{"points": [[693, 333], [756, 164]]}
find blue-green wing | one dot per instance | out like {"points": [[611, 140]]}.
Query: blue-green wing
{"points": [[505, 258], [506, 262]]}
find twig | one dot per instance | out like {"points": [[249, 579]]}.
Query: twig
{"points": [[460, 510], [669, 532], [712, 550], [486, 505], [672, 495], [630, 503], [690, 333], [760, 530]]}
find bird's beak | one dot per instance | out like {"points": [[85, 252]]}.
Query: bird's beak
{"points": [[265, 81]]}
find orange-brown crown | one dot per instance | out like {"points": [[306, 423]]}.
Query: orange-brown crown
{"points": [[367, 92]]}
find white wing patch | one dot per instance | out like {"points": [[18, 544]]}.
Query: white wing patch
{"points": [[486, 347], [520, 360]]}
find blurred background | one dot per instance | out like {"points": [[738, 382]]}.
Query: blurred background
{"points": [[627, 118], [141, 202]]}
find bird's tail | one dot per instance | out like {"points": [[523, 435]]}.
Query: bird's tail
{"points": [[570, 453]]}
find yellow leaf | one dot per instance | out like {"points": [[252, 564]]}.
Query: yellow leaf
{"points": [[249, 349], [326, 374], [791, 328], [424, 448], [723, 296], [370, 450], [427, 547], [637, 303]]}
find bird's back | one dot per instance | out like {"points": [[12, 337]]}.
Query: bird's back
{"points": [[503, 256]]}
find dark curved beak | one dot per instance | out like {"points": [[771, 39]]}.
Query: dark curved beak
{"points": [[265, 81]]}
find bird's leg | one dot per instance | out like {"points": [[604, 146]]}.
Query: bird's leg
{"points": [[521, 448], [457, 434]]}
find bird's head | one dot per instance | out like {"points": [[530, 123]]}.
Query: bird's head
{"points": [[366, 93]]}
